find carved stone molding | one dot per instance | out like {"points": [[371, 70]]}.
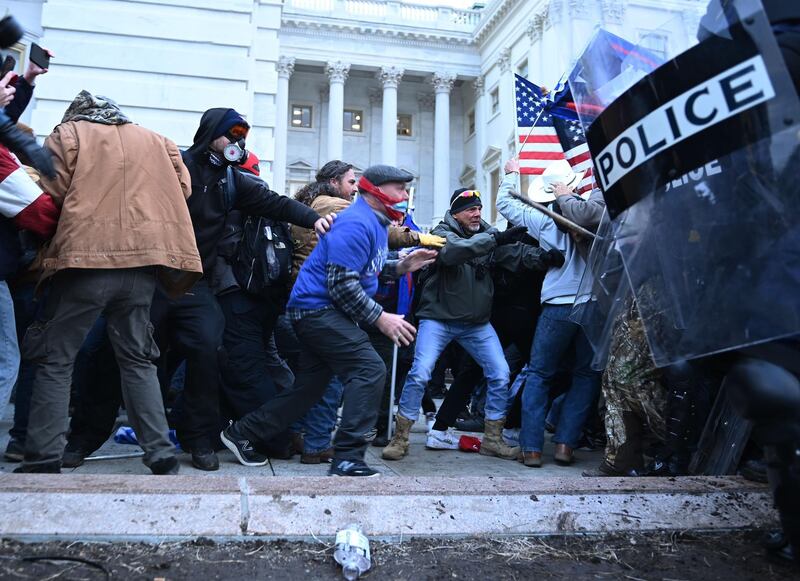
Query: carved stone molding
{"points": [[534, 29], [390, 76], [504, 60], [479, 85], [426, 101], [613, 11], [579, 8], [555, 11], [337, 71], [285, 66], [443, 82]]}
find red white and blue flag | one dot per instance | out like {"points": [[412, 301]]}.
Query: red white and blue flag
{"points": [[23, 201], [557, 133]]}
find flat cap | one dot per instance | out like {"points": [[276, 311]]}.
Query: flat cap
{"points": [[381, 174]]}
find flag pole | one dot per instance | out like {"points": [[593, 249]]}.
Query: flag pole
{"points": [[535, 121]]}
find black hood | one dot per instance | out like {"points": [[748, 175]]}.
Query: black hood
{"points": [[205, 132]]}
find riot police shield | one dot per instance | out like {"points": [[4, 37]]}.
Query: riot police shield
{"points": [[603, 292], [698, 161]]}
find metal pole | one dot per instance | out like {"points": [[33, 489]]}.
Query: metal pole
{"points": [[391, 393], [115, 456]]}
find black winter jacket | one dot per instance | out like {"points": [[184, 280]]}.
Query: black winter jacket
{"points": [[208, 204]]}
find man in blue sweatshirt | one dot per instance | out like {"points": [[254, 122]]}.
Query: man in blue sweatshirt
{"points": [[556, 336], [330, 303]]}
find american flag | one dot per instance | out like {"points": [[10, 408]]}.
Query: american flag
{"points": [[552, 138]]}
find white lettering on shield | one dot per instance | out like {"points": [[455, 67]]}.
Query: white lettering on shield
{"points": [[729, 93]]}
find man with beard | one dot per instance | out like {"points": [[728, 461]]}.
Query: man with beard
{"points": [[455, 305]]}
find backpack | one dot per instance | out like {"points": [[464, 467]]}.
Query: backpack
{"points": [[262, 264], [262, 260]]}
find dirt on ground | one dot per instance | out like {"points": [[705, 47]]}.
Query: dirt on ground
{"points": [[667, 557]]}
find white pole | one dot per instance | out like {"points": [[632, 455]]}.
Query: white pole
{"points": [[391, 393]]}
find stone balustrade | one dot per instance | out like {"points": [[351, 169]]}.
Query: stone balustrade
{"points": [[390, 12]]}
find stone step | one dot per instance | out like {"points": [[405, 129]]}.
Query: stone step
{"points": [[150, 508]]}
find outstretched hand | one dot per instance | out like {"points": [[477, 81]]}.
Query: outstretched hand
{"points": [[418, 259], [324, 224]]}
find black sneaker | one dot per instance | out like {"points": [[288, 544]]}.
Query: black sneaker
{"points": [[351, 468], [15, 451], [165, 466], [241, 448], [470, 425]]}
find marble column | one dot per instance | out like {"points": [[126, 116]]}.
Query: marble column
{"points": [[506, 88], [442, 84], [285, 68], [555, 57], [480, 130], [337, 75], [534, 31], [424, 196], [390, 79]]}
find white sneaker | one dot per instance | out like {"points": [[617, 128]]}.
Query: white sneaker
{"points": [[511, 437], [439, 440], [430, 419]]}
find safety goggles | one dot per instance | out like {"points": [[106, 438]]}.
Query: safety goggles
{"points": [[466, 194], [238, 131]]}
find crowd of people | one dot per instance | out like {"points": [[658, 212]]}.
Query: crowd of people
{"points": [[177, 285]]}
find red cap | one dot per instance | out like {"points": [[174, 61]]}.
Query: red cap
{"points": [[251, 164]]}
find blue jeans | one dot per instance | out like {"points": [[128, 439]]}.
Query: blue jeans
{"points": [[321, 419], [479, 340], [9, 349], [555, 337]]}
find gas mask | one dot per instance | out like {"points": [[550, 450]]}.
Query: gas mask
{"points": [[234, 152]]}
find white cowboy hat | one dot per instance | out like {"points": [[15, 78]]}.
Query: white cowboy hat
{"points": [[541, 189]]}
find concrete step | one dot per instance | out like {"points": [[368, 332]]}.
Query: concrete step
{"points": [[152, 508]]}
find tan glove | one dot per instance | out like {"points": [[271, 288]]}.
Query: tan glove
{"points": [[432, 241]]}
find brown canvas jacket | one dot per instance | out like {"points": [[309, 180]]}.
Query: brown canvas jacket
{"points": [[122, 190]]}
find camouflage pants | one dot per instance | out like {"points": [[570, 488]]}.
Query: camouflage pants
{"points": [[634, 392]]}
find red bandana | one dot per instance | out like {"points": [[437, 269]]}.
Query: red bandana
{"points": [[387, 201]]}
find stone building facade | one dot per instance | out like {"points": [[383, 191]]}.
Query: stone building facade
{"points": [[427, 88]]}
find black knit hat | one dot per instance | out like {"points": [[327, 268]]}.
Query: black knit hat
{"points": [[463, 199]]}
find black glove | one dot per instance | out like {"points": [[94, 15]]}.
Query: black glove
{"points": [[510, 236], [553, 257], [26, 148]]}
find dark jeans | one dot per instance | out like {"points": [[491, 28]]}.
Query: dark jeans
{"points": [[98, 392], [331, 345], [26, 310], [246, 379], [77, 298], [193, 326], [405, 357]]}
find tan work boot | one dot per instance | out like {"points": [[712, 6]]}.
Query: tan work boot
{"points": [[493, 444], [398, 447]]}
